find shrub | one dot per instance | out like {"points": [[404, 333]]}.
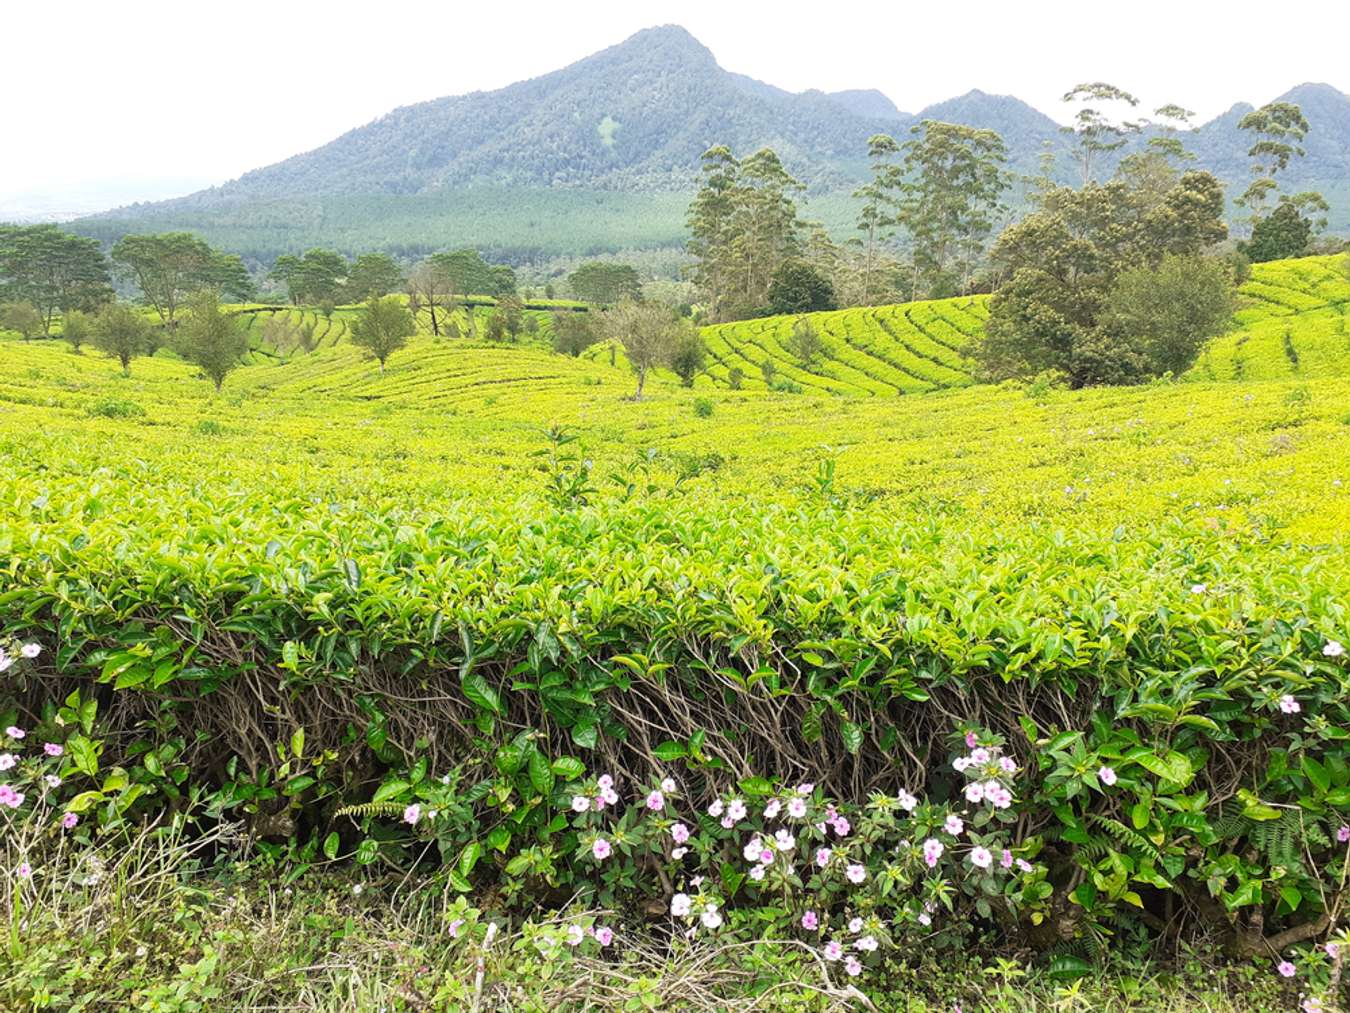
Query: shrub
{"points": [[703, 407], [114, 408]]}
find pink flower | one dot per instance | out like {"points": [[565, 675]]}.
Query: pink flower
{"points": [[805, 788], [979, 757], [906, 801], [1007, 765], [867, 944], [1006, 859], [757, 873], [925, 919], [1333, 649], [975, 792], [601, 849], [24, 870], [33, 650], [679, 905], [980, 857], [14, 732], [656, 801], [736, 810], [855, 924], [53, 748], [609, 796], [668, 785], [1106, 776], [580, 803], [852, 966], [810, 921], [711, 917], [961, 763], [796, 808], [841, 826], [784, 840], [575, 934], [455, 926], [69, 820], [971, 740], [1343, 834], [1024, 866], [823, 857], [7, 761], [954, 825], [727, 823], [679, 833], [10, 797], [855, 873], [1331, 950], [1290, 706], [999, 796], [1286, 969], [52, 781], [932, 851], [751, 851], [766, 856], [412, 814], [716, 809], [772, 809], [678, 853], [604, 935], [604, 781], [833, 950]]}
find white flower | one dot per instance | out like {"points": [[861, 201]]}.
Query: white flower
{"points": [[580, 803], [679, 905], [711, 918], [751, 851], [30, 650], [7, 761], [678, 853], [771, 810], [757, 873], [1199, 588], [736, 810], [855, 924], [855, 873], [806, 787], [907, 801], [575, 934], [716, 809], [784, 839], [668, 785], [975, 792], [796, 808], [867, 944], [1333, 649]]}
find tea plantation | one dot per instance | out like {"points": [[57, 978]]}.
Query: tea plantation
{"points": [[326, 602]]}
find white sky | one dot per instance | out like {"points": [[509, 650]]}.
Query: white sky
{"points": [[162, 94]]}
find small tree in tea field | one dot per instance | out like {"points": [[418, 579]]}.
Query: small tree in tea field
{"points": [[383, 326], [121, 332], [75, 328], [209, 339]]}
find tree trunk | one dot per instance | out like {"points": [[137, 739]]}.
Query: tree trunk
{"points": [[642, 379]]}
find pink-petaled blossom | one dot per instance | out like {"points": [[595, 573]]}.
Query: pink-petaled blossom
{"points": [[810, 921], [999, 796], [679, 833], [736, 810], [656, 801], [711, 917], [772, 809], [601, 849], [823, 856], [678, 853], [852, 966], [604, 781], [1106, 776], [866, 944], [411, 814], [30, 650], [954, 825], [1333, 649], [716, 809], [679, 905], [575, 934], [668, 785], [806, 787], [1312, 1004], [752, 849], [727, 823], [855, 873], [15, 732], [906, 801], [1007, 764], [757, 873], [24, 871], [1024, 866], [960, 764], [10, 797], [1006, 859], [796, 808], [841, 826], [980, 756], [975, 792], [833, 950], [783, 840], [932, 851], [1286, 969], [610, 796], [971, 740], [1331, 949], [1289, 705], [51, 780], [1343, 834], [855, 925], [5, 662], [696, 882], [7, 761], [604, 935], [69, 820], [766, 856], [980, 857], [925, 919], [455, 926], [580, 803]]}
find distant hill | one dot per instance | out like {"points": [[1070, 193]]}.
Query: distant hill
{"points": [[615, 139]]}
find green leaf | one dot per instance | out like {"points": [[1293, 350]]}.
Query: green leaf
{"points": [[469, 857], [1317, 774], [83, 801], [367, 851], [758, 786], [541, 774], [458, 882], [1175, 766], [390, 789], [480, 692], [83, 754], [330, 845], [852, 735], [585, 734], [1066, 967], [568, 767], [499, 838], [668, 752], [1291, 897], [298, 743]]}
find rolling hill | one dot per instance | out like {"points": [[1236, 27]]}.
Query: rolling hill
{"points": [[601, 155]]}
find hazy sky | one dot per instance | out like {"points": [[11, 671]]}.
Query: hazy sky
{"points": [[178, 93]]}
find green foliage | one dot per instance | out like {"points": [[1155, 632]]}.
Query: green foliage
{"points": [[383, 326], [373, 274], [76, 328], [209, 338], [703, 407], [573, 333], [121, 332], [52, 271], [603, 282], [1279, 235], [1169, 312], [22, 317], [799, 288], [171, 266]]}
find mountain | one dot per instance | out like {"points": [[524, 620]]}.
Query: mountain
{"points": [[601, 155]]}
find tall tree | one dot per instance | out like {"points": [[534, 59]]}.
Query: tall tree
{"points": [[431, 288], [953, 178], [877, 218], [1155, 169], [573, 333], [209, 338], [1278, 129], [53, 270], [765, 228], [650, 334], [373, 274], [121, 332], [170, 266], [603, 283], [382, 327], [711, 226], [1094, 131]]}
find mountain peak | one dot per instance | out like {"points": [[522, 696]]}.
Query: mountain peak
{"points": [[669, 41]]}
